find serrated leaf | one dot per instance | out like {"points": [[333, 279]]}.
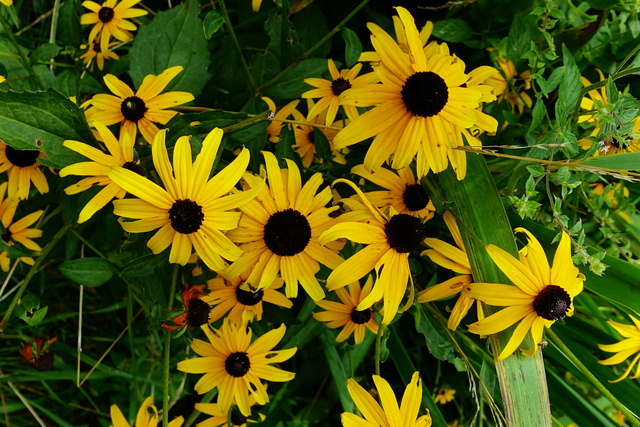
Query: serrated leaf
{"points": [[173, 37], [212, 23], [87, 271], [537, 115], [292, 84], [353, 46], [452, 30], [42, 121], [519, 39]]}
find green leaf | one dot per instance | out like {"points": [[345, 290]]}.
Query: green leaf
{"points": [[143, 266], [519, 39], [42, 121], [292, 84], [452, 30], [537, 115], [174, 37], [570, 85], [353, 46], [87, 271], [602, 4], [212, 23], [44, 52], [34, 318], [337, 369], [68, 19], [621, 162]]}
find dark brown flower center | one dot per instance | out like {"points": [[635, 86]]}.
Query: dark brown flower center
{"points": [[198, 313], [237, 419], [133, 108], [415, 198], [552, 303], [96, 47], [424, 94], [237, 364], [361, 317], [43, 362], [339, 85], [21, 158], [247, 297], [6, 236], [134, 167], [287, 232], [106, 14], [405, 232], [186, 216]]}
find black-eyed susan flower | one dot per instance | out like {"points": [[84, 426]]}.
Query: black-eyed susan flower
{"points": [[304, 135], [329, 91], [243, 305], [624, 349], [454, 259], [421, 104], [345, 315], [23, 168], [541, 296], [17, 231], [147, 416], [236, 366], [275, 127], [196, 310], [139, 110], [191, 211], [111, 19], [511, 85], [37, 353], [445, 395], [6, 2], [94, 55], [614, 194], [219, 418], [120, 154], [403, 192], [279, 231], [389, 414]]}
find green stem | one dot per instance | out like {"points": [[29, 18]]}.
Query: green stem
{"points": [[167, 353], [633, 419], [305, 55], [236, 45], [23, 58], [631, 54], [31, 273], [376, 357]]}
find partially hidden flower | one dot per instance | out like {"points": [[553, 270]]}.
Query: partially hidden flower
{"points": [[511, 85], [139, 110], [192, 210], [305, 137], [236, 366], [196, 310], [345, 314], [630, 346], [541, 296], [275, 127], [23, 168], [147, 416], [37, 353], [111, 19], [94, 55], [233, 418], [389, 414], [445, 395]]}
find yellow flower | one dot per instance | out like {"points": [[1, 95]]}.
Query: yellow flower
{"points": [[18, 231], [511, 86], [420, 109], [95, 53], [147, 416], [235, 366], [224, 419], [445, 395], [23, 168], [120, 154], [279, 231], [243, 305], [541, 296], [455, 259], [625, 348], [275, 127], [111, 19], [304, 135], [389, 415], [191, 210], [139, 110], [346, 315], [389, 239], [329, 91]]}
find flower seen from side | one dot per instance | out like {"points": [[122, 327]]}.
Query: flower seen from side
{"points": [[455, 259], [511, 85], [389, 240], [147, 416], [402, 192], [279, 231], [422, 105], [541, 296], [388, 413], [242, 304], [330, 91], [94, 55], [275, 127], [196, 310], [191, 211], [345, 315], [630, 346], [236, 366], [120, 153], [139, 110], [111, 19], [23, 168]]}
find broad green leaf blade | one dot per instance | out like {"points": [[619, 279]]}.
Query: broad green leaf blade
{"points": [[87, 271], [292, 84], [620, 162], [337, 369], [42, 121], [174, 37], [570, 85], [353, 46], [452, 30], [212, 23]]}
